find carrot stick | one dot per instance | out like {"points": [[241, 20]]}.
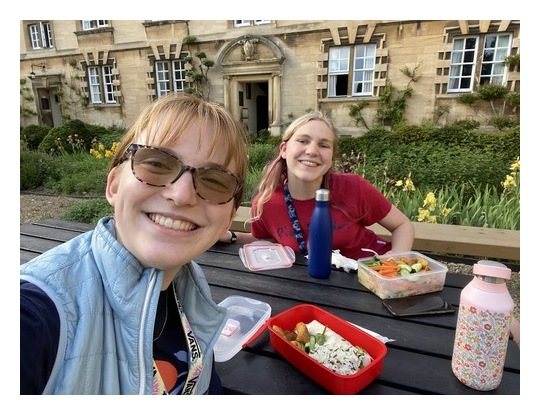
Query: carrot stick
{"points": [[388, 273], [385, 262], [384, 267]]}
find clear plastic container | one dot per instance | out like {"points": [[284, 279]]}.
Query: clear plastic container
{"points": [[245, 321], [403, 286], [262, 255]]}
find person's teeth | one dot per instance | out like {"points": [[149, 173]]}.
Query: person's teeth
{"points": [[171, 223]]}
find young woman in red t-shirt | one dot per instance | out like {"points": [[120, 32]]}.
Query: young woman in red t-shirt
{"points": [[287, 194]]}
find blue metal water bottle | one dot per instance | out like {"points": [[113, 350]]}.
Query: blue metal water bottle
{"points": [[320, 237]]}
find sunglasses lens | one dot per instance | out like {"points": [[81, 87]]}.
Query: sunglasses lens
{"points": [[154, 167], [215, 185], [158, 168]]}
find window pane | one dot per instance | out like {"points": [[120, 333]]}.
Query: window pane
{"points": [[462, 64], [162, 78], [178, 75], [108, 84], [331, 89], [46, 35], [34, 37], [496, 49], [240, 23], [93, 83], [364, 68], [338, 59]]}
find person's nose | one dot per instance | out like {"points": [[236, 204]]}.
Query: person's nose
{"points": [[312, 149], [182, 191]]}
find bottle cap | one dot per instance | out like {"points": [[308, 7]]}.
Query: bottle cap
{"points": [[322, 195], [494, 269]]}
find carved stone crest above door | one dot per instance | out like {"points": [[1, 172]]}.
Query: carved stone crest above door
{"points": [[253, 61]]}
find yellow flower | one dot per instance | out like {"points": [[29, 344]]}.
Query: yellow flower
{"points": [[423, 215], [432, 219], [101, 147], [509, 183], [446, 211], [430, 201], [108, 154], [515, 166], [409, 185], [399, 183]]}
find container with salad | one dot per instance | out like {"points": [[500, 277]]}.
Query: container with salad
{"points": [[334, 353], [401, 274]]}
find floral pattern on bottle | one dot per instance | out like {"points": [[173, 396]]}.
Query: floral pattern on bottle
{"points": [[480, 347]]}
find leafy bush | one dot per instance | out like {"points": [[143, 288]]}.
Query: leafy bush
{"points": [[456, 162], [81, 174], [72, 136], [411, 134], [89, 211], [36, 168], [260, 154], [33, 135]]}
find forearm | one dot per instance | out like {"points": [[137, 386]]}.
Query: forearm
{"points": [[241, 237], [403, 237]]}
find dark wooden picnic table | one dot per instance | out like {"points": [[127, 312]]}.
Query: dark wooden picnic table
{"points": [[417, 362]]}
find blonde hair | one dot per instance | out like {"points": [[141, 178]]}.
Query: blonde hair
{"points": [[166, 119], [275, 172]]}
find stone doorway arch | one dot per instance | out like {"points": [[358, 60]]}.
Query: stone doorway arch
{"points": [[251, 70]]}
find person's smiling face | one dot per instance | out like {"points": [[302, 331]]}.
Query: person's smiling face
{"points": [[165, 227], [309, 152]]}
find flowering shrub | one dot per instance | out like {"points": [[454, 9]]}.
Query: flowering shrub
{"points": [[512, 180], [487, 207], [99, 151], [426, 212]]}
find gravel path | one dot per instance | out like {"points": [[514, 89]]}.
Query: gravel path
{"points": [[40, 207]]}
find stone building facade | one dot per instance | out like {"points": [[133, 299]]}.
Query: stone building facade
{"points": [[266, 72]]}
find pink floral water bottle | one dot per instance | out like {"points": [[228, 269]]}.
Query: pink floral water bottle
{"points": [[483, 327]]}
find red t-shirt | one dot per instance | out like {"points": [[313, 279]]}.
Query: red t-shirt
{"points": [[354, 204]]}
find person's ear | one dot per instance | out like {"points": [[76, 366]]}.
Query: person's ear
{"points": [[283, 149], [113, 183]]}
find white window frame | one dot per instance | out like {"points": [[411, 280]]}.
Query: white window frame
{"points": [[101, 84], [463, 64], [361, 75], [108, 84], [493, 70], [363, 69], [168, 79], [338, 66], [41, 35], [465, 74], [244, 23], [94, 24], [241, 23], [94, 85]]}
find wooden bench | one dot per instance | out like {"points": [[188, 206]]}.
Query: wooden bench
{"points": [[450, 239]]}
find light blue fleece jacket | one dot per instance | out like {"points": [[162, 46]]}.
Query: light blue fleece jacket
{"points": [[107, 304]]}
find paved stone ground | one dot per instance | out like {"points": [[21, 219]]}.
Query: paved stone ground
{"points": [[35, 207]]}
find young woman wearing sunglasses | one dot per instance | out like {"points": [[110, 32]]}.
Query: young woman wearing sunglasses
{"points": [[123, 309]]}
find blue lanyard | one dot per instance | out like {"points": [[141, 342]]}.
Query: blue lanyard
{"points": [[294, 219]]}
